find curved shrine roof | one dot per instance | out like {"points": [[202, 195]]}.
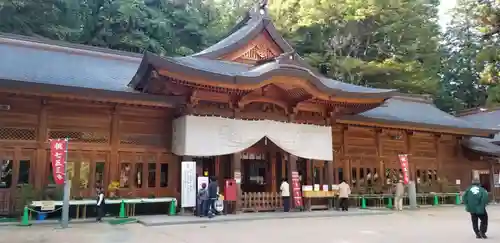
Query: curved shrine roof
{"points": [[240, 73], [207, 64]]}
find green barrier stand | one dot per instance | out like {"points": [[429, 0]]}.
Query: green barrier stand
{"points": [[25, 219], [436, 201], [172, 210], [457, 199], [122, 214], [363, 203], [389, 203]]}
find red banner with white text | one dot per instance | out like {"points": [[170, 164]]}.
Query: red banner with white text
{"points": [[297, 194], [58, 150], [403, 160]]}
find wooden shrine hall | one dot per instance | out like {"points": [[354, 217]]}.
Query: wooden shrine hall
{"points": [[248, 106]]}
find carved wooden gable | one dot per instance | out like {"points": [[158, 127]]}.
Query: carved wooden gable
{"points": [[260, 48]]}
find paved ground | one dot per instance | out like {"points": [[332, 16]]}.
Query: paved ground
{"points": [[435, 225], [160, 220]]}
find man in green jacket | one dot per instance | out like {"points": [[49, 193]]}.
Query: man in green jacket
{"points": [[475, 200]]}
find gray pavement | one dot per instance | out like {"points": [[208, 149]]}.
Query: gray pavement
{"points": [[160, 220], [432, 225]]}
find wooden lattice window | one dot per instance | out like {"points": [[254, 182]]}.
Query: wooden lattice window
{"points": [[80, 137], [11, 133], [143, 139]]}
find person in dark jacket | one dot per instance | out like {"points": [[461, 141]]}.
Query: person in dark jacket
{"points": [[202, 200], [475, 200], [213, 195], [101, 203]]}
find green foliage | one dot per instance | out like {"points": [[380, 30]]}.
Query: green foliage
{"points": [[461, 86], [393, 44], [378, 43], [471, 72]]}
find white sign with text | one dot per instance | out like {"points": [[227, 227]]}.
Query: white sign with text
{"points": [[188, 186]]}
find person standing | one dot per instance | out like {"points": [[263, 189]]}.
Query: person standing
{"points": [[213, 195], [344, 192], [101, 203], [202, 200], [285, 194], [475, 200], [398, 197]]}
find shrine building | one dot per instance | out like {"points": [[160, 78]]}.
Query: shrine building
{"points": [[247, 107]]}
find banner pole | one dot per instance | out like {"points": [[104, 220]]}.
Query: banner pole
{"points": [[65, 206]]}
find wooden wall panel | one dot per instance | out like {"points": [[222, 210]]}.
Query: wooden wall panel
{"points": [[93, 153], [18, 119], [360, 141]]}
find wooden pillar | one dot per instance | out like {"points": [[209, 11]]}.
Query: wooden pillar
{"points": [[220, 179], [347, 162], [273, 173], [309, 172], [329, 173], [112, 165], [292, 167], [381, 171], [439, 158], [492, 179], [174, 175], [283, 165], [236, 161], [41, 162]]}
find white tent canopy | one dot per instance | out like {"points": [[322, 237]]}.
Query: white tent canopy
{"points": [[213, 136]]}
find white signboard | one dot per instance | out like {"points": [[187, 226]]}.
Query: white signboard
{"points": [[48, 206], [188, 184], [201, 180]]}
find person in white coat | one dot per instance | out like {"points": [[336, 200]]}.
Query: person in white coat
{"points": [[344, 192], [399, 195], [285, 194]]}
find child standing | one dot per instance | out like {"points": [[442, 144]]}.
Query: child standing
{"points": [[203, 200]]}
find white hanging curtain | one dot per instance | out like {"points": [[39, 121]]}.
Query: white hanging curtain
{"points": [[212, 136]]}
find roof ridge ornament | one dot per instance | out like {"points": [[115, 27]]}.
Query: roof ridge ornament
{"points": [[260, 8], [283, 58]]}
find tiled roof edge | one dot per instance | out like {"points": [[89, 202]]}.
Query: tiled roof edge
{"points": [[60, 46], [427, 99], [477, 110]]}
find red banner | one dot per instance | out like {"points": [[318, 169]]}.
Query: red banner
{"points": [[403, 160], [297, 194], [58, 150]]}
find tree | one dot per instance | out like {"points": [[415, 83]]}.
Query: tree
{"points": [[487, 16], [461, 86], [378, 43], [42, 18]]}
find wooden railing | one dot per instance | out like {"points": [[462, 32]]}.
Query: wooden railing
{"points": [[261, 201]]}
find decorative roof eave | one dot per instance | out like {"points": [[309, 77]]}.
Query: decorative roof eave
{"points": [[248, 79], [79, 93], [240, 36], [434, 128]]}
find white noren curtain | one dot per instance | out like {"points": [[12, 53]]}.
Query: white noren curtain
{"points": [[212, 136]]}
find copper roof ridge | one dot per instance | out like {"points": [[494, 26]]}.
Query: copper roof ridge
{"points": [[477, 110], [413, 98], [76, 49]]}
